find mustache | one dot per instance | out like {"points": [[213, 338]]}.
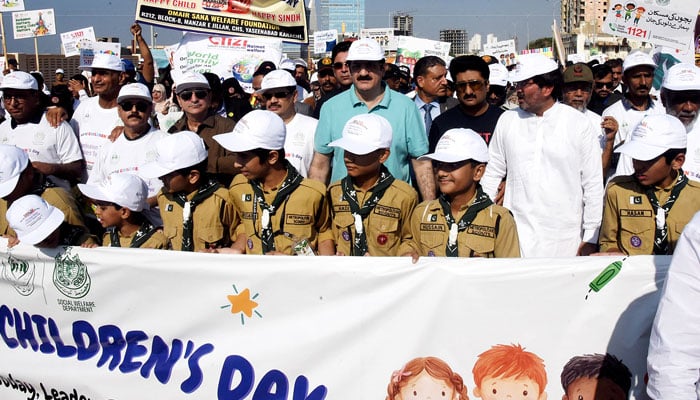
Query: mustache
{"points": [[364, 78], [468, 97]]}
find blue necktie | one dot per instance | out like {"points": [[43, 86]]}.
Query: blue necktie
{"points": [[427, 117]]}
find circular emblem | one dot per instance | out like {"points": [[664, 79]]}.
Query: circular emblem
{"points": [[382, 239], [431, 253], [250, 244], [635, 241], [346, 236]]}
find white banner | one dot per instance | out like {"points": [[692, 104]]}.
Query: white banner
{"points": [[383, 36], [324, 41], [123, 323], [226, 56], [504, 51], [33, 23], [73, 41], [11, 5], [411, 49], [89, 49], [665, 23]]}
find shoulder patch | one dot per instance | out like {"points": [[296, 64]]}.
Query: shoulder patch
{"points": [[387, 211], [482, 230], [297, 219]]}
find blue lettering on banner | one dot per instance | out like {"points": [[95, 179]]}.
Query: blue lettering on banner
{"points": [[129, 352]]}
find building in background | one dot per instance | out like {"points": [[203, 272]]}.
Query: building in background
{"points": [[458, 39], [347, 16], [475, 44], [402, 24]]}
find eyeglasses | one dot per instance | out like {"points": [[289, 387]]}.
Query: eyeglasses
{"points": [[187, 94], [474, 85], [601, 85], [141, 106], [16, 96], [278, 95], [522, 84], [340, 65]]}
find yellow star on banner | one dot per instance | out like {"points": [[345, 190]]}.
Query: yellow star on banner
{"points": [[242, 303]]}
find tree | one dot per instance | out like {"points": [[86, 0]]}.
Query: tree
{"points": [[539, 43]]}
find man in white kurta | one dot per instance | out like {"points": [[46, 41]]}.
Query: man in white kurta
{"points": [[549, 154]]}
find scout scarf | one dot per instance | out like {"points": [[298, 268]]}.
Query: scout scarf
{"points": [[482, 201], [145, 231], [359, 243], [289, 185], [661, 234], [40, 185], [188, 207]]}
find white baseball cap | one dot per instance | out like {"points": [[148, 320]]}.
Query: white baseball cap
{"points": [[190, 80], [498, 74], [653, 136], [365, 133], [19, 80], [60, 71], [300, 62], [530, 65], [126, 190], [13, 161], [637, 58], [314, 77], [683, 76], [276, 79], [259, 129], [287, 64], [105, 61], [459, 144], [134, 91], [33, 219], [365, 50], [177, 151]]}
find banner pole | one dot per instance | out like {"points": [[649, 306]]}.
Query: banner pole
{"points": [[2, 32], [36, 53]]}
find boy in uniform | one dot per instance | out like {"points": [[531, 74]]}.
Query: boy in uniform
{"points": [[119, 201], [370, 208], [279, 208], [463, 221], [645, 213], [196, 210]]}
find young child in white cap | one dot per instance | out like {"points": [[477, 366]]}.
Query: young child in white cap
{"points": [[119, 201], [370, 208], [463, 221], [645, 212], [40, 224], [281, 212], [196, 210]]}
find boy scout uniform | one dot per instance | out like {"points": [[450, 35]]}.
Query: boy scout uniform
{"points": [[57, 197], [385, 227], [629, 222], [303, 215], [214, 220], [491, 234], [156, 241]]}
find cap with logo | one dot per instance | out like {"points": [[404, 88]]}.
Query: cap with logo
{"points": [[365, 50], [128, 65], [653, 136], [177, 151], [19, 80], [324, 63], [126, 190], [365, 133], [530, 65], [578, 72], [637, 58], [682, 76], [276, 79], [134, 91], [259, 129], [104, 61], [13, 161], [457, 145], [190, 80], [498, 74], [33, 219]]}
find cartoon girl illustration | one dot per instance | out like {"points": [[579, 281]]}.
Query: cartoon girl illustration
{"points": [[426, 378], [618, 10], [638, 15]]}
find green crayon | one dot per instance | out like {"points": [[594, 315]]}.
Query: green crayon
{"points": [[605, 276]]}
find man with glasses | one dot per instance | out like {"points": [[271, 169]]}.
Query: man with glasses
{"points": [[471, 76], [54, 152], [430, 96], [369, 94], [603, 95], [341, 72], [549, 155], [195, 98], [279, 90], [136, 145]]}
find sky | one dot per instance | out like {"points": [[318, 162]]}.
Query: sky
{"points": [[526, 19]]}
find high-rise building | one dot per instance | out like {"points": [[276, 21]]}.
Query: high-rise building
{"points": [[457, 38], [347, 16], [402, 24], [583, 16], [475, 43]]}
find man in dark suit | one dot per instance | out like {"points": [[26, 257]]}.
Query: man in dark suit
{"points": [[430, 96]]}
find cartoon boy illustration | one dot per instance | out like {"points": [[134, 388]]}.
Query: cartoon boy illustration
{"points": [[509, 372], [618, 10], [596, 376], [638, 15], [629, 8]]}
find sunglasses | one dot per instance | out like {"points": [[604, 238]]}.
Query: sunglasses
{"points": [[357, 66], [278, 95], [473, 85], [141, 106], [601, 85], [187, 94], [340, 65]]}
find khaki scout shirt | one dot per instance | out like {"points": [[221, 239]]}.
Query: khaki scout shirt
{"points": [[156, 241], [57, 197], [491, 234], [303, 215], [629, 222], [385, 227], [214, 220]]}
